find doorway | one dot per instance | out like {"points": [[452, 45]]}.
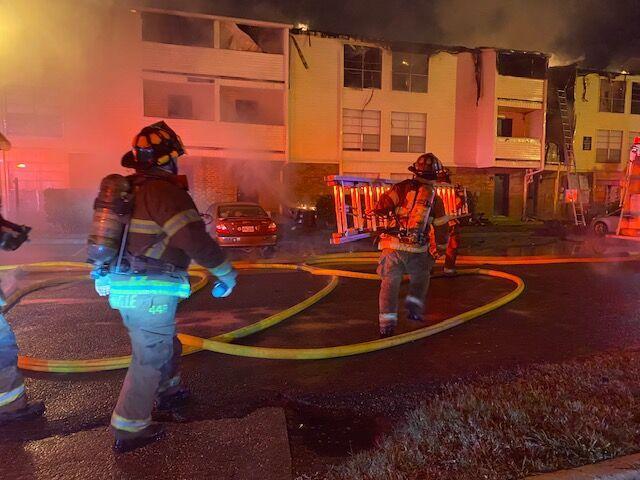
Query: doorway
{"points": [[501, 194]]}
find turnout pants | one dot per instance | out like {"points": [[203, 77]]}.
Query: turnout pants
{"points": [[394, 264], [155, 363], [12, 391], [452, 246]]}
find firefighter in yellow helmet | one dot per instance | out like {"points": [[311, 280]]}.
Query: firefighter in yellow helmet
{"points": [[149, 277], [413, 206]]}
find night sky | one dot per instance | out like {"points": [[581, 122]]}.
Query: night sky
{"points": [[601, 33]]}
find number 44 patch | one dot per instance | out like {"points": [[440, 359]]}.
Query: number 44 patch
{"points": [[158, 309]]}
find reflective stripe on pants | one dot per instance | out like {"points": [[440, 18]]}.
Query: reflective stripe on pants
{"points": [[155, 362], [393, 265], [12, 389]]}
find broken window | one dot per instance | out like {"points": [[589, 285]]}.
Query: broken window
{"points": [[612, 95], [194, 101], [520, 64], [252, 105], [177, 29], [608, 146], [362, 67], [586, 143], [635, 97], [250, 38], [361, 130], [410, 72], [408, 132]]}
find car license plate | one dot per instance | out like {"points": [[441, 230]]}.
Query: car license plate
{"points": [[247, 229]]}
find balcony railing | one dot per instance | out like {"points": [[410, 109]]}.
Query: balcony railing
{"points": [[520, 89], [518, 148]]}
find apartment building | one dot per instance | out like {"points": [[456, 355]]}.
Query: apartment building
{"points": [[369, 108], [604, 112], [221, 83]]}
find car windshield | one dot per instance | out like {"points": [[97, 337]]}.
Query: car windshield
{"points": [[235, 211]]}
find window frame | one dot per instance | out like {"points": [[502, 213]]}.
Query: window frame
{"points": [[612, 104], [367, 75], [361, 142], [421, 124], [635, 98], [414, 59], [587, 141], [608, 148]]}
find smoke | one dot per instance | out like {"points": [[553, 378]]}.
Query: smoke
{"points": [[600, 33]]}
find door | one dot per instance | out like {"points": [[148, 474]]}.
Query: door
{"points": [[501, 194]]}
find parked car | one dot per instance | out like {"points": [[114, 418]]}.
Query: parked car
{"points": [[242, 225], [607, 223]]}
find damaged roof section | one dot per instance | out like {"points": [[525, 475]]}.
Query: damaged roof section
{"points": [[515, 63]]}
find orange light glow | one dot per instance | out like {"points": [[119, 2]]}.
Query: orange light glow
{"points": [[21, 165]]}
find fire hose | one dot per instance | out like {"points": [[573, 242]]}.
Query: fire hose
{"points": [[222, 343]]}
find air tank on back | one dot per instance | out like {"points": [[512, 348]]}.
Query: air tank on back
{"points": [[111, 212]]}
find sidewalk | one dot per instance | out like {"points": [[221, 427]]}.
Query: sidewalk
{"points": [[622, 468]]}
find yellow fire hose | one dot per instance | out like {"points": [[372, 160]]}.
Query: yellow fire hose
{"points": [[221, 343]]}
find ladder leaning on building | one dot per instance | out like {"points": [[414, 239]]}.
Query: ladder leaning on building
{"points": [[574, 190]]}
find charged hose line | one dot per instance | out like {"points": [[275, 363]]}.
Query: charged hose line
{"points": [[221, 343]]}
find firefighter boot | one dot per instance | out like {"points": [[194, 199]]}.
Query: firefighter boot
{"points": [[415, 309], [30, 411], [170, 408], [126, 442], [388, 322]]}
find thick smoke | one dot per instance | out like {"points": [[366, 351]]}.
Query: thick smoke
{"points": [[600, 33]]}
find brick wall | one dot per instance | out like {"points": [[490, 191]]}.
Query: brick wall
{"points": [[305, 181]]}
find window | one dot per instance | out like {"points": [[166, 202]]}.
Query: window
{"points": [[361, 130], [408, 132], [177, 30], [252, 105], [362, 67], [635, 97], [612, 96], [410, 72], [586, 143], [505, 127], [187, 100], [608, 146]]}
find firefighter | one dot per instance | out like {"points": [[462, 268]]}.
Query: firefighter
{"points": [[148, 279], [14, 404], [413, 205], [453, 243]]}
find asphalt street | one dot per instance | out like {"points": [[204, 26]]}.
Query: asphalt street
{"points": [[331, 406]]}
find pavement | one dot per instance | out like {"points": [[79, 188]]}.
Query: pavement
{"points": [[623, 468], [331, 408]]}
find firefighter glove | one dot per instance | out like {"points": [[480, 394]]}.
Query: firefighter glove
{"points": [[226, 279]]}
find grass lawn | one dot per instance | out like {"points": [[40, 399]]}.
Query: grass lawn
{"points": [[511, 425]]}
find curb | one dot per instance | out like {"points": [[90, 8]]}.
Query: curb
{"points": [[621, 468]]}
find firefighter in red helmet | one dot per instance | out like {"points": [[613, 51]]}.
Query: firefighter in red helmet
{"points": [[148, 278], [413, 206]]}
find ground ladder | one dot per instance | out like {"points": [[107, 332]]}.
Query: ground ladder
{"points": [[573, 181]]}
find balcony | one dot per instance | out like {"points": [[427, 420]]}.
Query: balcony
{"points": [[518, 148], [231, 140], [520, 92], [215, 62]]}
